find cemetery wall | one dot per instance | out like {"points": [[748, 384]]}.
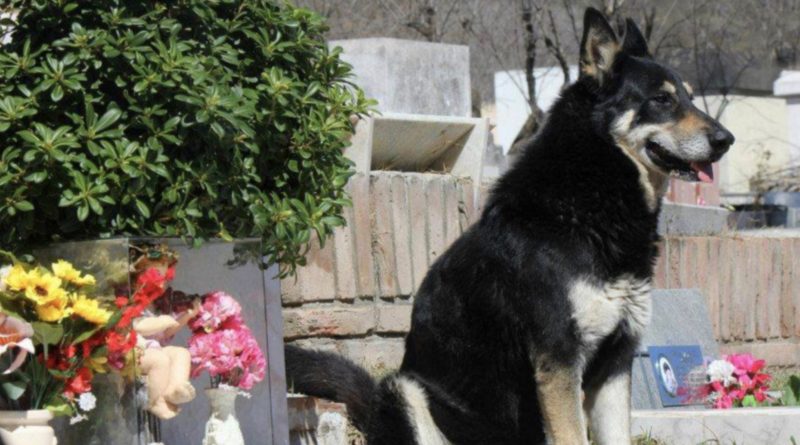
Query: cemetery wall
{"points": [[356, 293]]}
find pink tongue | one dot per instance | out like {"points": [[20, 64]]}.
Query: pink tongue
{"points": [[704, 171]]}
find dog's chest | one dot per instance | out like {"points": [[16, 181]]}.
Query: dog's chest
{"points": [[598, 309]]}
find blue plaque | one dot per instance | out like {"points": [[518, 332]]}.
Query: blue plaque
{"points": [[672, 366]]}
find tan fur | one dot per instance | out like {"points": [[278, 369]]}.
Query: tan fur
{"points": [[652, 180], [559, 393], [691, 124], [669, 87]]}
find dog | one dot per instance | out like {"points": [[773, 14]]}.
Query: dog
{"points": [[524, 330]]}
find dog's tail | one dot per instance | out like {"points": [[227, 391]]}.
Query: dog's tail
{"points": [[333, 377]]}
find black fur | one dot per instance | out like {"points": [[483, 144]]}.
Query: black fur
{"points": [[331, 377], [495, 305]]}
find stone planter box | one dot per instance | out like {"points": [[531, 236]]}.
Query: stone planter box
{"points": [[750, 426], [232, 267]]}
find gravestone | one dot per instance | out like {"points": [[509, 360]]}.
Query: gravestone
{"points": [[408, 76], [680, 317]]}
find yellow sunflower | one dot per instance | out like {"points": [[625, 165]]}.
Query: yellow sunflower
{"points": [[44, 288], [89, 309], [18, 279], [67, 272], [55, 310]]}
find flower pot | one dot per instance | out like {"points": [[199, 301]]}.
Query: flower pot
{"points": [[27, 428], [222, 427]]}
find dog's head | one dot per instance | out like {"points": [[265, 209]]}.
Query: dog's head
{"points": [[645, 107]]}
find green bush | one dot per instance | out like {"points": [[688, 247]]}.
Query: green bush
{"points": [[191, 118]]}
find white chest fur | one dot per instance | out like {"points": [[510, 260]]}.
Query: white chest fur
{"points": [[599, 308]]}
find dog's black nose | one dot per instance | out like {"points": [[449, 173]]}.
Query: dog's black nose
{"points": [[720, 139]]}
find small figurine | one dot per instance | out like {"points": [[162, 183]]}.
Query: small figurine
{"points": [[166, 368]]}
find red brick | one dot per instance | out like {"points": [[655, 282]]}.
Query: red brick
{"points": [[328, 321], [362, 230], [452, 202], [660, 269], [726, 252], [467, 214], [402, 236], [762, 254], [382, 233], [787, 306], [795, 284], [713, 277], [394, 318], [673, 263], [344, 249], [774, 288], [418, 214], [436, 218]]}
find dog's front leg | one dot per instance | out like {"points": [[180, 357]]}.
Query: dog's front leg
{"points": [[609, 408], [558, 389]]}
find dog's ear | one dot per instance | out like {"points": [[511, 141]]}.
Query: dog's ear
{"points": [[634, 44], [599, 45]]}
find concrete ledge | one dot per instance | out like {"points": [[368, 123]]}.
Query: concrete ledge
{"points": [[750, 426], [692, 220]]}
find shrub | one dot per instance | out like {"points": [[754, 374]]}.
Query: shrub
{"points": [[192, 118]]}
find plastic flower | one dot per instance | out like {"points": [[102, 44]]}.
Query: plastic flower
{"points": [[4, 272], [232, 354], [43, 288], [721, 371], [15, 333], [87, 401], [78, 384], [217, 309], [89, 309], [67, 272], [54, 310], [17, 278]]}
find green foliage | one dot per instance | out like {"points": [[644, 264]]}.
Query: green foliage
{"points": [[191, 118]]}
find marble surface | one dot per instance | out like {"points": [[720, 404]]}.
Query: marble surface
{"points": [[750, 426]]}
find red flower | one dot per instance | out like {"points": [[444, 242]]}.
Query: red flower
{"points": [[80, 383]]}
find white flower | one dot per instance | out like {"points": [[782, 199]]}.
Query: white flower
{"points": [[721, 371], [4, 271], [77, 419], [87, 401]]}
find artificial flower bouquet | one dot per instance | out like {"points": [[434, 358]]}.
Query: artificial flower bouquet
{"points": [[736, 380], [222, 345], [53, 331]]}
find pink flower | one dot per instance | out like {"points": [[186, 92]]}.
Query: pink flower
{"points": [[15, 333], [218, 308], [231, 354]]}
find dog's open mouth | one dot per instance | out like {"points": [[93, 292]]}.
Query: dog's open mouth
{"points": [[688, 171]]}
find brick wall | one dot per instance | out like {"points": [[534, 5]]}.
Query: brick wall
{"points": [[751, 284], [355, 294]]}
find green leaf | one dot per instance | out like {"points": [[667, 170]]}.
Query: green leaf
{"points": [[108, 119], [14, 390], [47, 333], [749, 401], [23, 206]]}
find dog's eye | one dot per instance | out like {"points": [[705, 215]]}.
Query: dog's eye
{"points": [[662, 99]]}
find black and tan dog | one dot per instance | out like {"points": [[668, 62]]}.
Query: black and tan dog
{"points": [[524, 331]]}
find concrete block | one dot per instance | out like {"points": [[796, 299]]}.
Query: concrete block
{"points": [[378, 355], [394, 318], [452, 202], [316, 422], [328, 321], [408, 76], [692, 220], [452, 146]]}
